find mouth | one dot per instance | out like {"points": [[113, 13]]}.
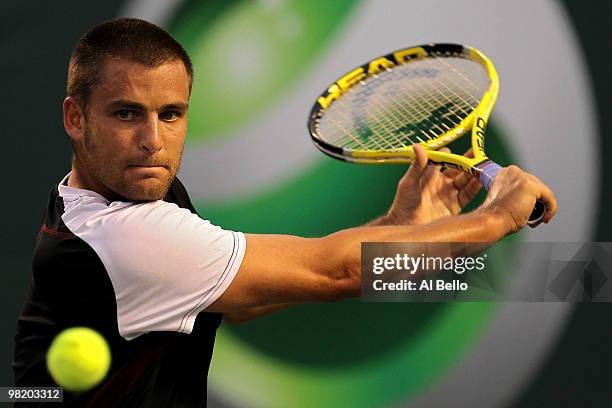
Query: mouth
{"points": [[157, 171], [148, 166]]}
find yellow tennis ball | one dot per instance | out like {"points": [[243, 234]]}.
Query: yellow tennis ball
{"points": [[78, 359]]}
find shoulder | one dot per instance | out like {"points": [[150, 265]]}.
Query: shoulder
{"points": [[178, 195], [166, 264]]}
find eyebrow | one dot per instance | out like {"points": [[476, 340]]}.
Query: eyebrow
{"points": [[176, 105], [125, 104]]}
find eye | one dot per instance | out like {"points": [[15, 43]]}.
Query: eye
{"points": [[170, 115], [125, 114]]}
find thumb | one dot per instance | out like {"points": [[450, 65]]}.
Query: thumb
{"points": [[418, 166]]}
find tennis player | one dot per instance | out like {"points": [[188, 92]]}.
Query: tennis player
{"points": [[123, 251]]}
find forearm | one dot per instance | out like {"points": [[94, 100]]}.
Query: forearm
{"points": [[383, 220], [477, 226], [484, 227], [282, 269]]}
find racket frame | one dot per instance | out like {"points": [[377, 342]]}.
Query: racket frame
{"points": [[475, 121]]}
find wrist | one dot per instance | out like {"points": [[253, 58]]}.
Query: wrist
{"points": [[387, 219], [495, 221], [391, 218], [398, 217]]}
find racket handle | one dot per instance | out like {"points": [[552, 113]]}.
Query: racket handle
{"points": [[487, 175]]}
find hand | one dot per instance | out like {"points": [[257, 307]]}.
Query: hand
{"points": [[426, 194], [513, 195]]}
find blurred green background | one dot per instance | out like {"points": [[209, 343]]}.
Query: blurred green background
{"points": [[36, 40]]}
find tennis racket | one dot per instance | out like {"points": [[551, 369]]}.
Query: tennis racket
{"points": [[430, 94]]}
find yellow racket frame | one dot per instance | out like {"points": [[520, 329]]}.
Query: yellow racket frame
{"points": [[476, 121]]}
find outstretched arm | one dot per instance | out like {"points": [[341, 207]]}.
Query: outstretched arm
{"points": [[281, 269], [424, 195]]}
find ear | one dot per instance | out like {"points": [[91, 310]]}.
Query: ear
{"points": [[74, 119]]}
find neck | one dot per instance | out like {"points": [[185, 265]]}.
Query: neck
{"points": [[81, 178]]}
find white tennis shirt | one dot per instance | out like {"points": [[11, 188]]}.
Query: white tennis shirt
{"points": [[165, 263]]}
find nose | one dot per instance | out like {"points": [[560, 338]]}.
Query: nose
{"points": [[150, 139]]}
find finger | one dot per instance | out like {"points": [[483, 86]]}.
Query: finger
{"points": [[452, 173], [461, 180], [418, 166], [420, 155], [469, 192], [431, 172], [449, 172], [443, 168], [469, 153], [547, 197]]}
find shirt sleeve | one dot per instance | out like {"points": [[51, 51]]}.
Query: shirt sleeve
{"points": [[166, 264]]}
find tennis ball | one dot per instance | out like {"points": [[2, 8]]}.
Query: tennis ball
{"points": [[78, 359]]}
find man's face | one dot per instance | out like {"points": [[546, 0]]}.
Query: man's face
{"points": [[135, 128]]}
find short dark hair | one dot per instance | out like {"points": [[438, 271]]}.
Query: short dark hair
{"points": [[130, 39]]}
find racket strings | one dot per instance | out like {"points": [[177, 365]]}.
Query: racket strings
{"points": [[405, 108], [395, 114], [475, 99], [357, 113], [382, 114], [405, 115], [432, 107], [353, 119], [417, 115], [447, 62], [411, 103], [349, 135], [402, 115]]}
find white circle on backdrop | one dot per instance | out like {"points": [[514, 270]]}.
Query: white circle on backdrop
{"points": [[545, 108]]}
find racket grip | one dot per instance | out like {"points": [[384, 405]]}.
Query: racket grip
{"points": [[489, 170]]}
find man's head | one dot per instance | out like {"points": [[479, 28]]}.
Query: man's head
{"points": [[126, 112]]}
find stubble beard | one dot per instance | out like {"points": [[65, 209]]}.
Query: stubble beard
{"points": [[113, 179]]}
